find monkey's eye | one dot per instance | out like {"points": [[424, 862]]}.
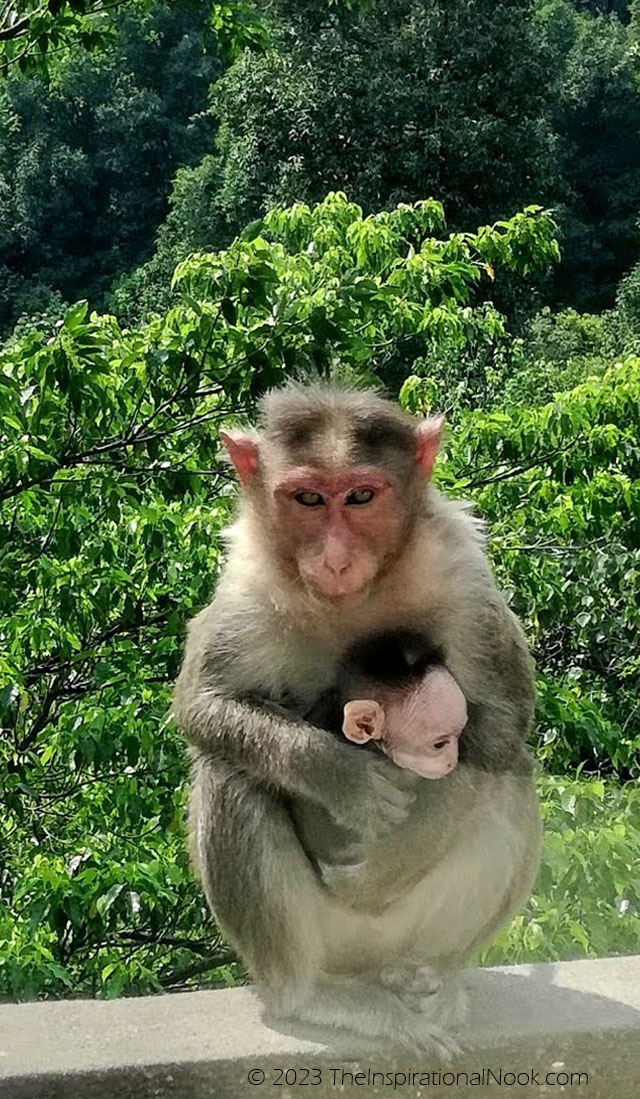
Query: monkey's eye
{"points": [[360, 496], [309, 499]]}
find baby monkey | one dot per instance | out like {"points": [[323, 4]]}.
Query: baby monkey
{"points": [[395, 689]]}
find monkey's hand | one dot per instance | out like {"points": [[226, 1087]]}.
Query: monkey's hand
{"points": [[363, 720], [362, 792], [376, 798]]}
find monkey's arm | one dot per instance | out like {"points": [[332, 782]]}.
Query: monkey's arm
{"points": [[489, 658]]}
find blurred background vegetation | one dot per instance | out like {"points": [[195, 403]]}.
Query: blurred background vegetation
{"points": [[288, 161]]}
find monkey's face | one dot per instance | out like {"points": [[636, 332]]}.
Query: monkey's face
{"points": [[336, 491], [338, 529]]}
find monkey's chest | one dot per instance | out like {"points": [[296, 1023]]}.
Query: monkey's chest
{"points": [[290, 669]]}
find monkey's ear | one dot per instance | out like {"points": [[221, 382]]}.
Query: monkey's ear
{"points": [[243, 452], [428, 439]]}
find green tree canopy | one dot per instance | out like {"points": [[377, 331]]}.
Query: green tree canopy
{"points": [[595, 71], [390, 102], [32, 31], [87, 153], [112, 498]]}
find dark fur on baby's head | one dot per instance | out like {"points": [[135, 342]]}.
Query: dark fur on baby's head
{"points": [[391, 658]]}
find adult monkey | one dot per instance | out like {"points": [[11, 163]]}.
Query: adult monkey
{"points": [[342, 880]]}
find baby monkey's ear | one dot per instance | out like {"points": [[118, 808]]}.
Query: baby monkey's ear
{"points": [[243, 452], [428, 439]]}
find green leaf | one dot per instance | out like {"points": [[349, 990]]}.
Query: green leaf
{"points": [[75, 317], [104, 903]]}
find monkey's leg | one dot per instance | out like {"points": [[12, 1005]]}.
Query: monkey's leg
{"points": [[258, 881], [269, 902]]}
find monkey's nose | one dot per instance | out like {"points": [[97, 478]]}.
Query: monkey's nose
{"points": [[336, 568]]}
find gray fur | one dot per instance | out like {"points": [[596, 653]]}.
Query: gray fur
{"points": [[297, 418], [328, 867]]}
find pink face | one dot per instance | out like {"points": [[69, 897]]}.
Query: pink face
{"points": [[337, 528], [340, 527]]}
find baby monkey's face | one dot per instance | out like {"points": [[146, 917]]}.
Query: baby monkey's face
{"points": [[418, 726], [423, 728]]}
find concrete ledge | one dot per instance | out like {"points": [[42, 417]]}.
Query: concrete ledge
{"points": [[572, 1017]]}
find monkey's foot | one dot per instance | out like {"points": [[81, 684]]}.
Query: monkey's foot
{"points": [[378, 1015], [434, 995], [363, 720], [412, 985]]}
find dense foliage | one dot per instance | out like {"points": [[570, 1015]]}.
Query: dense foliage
{"points": [[143, 103], [393, 105], [87, 153], [112, 501], [595, 66], [140, 135], [34, 31], [493, 105], [391, 101]]}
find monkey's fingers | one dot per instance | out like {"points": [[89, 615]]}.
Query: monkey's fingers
{"points": [[392, 803], [342, 873], [421, 981]]}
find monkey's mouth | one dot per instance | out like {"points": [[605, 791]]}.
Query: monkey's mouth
{"points": [[328, 596], [344, 599]]}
